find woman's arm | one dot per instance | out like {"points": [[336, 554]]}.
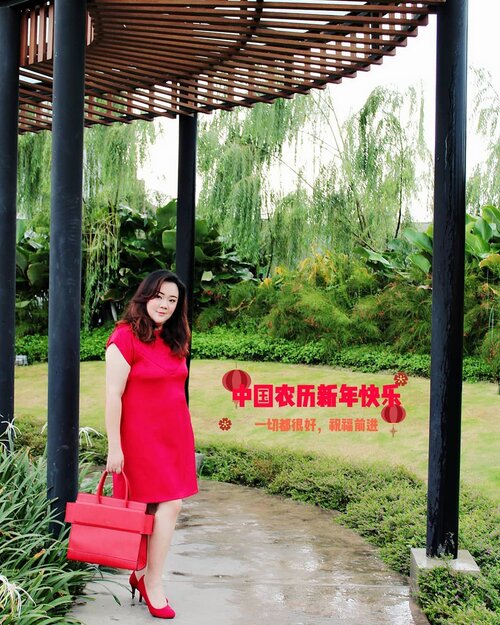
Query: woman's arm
{"points": [[117, 370]]}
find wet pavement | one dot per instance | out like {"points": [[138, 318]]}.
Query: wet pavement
{"points": [[242, 557]]}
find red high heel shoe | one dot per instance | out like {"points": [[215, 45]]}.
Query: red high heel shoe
{"points": [[134, 583], [165, 612]]}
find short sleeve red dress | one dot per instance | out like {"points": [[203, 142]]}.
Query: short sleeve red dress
{"points": [[156, 432]]}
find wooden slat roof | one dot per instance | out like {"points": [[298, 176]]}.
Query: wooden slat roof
{"points": [[152, 58]]}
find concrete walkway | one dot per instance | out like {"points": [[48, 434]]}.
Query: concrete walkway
{"points": [[242, 557]]}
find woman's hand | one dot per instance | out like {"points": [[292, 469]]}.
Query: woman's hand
{"points": [[115, 461]]}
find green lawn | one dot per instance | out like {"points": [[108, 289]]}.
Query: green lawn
{"points": [[209, 402]]}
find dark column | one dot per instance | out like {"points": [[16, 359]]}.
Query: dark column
{"points": [[65, 252], [9, 93], [186, 203], [447, 279]]}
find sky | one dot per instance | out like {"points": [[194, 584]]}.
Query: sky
{"points": [[413, 65]]}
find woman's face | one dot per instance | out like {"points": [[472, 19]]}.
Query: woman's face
{"points": [[161, 307]]}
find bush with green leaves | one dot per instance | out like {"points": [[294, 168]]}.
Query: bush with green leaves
{"points": [[312, 302], [232, 343], [32, 278], [32, 436], [401, 313], [386, 505], [37, 582], [375, 298], [458, 599], [120, 248], [404, 302], [491, 351], [92, 345], [305, 313]]}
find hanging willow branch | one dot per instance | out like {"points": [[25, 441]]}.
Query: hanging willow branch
{"points": [[112, 156], [483, 187], [236, 151], [33, 180], [369, 174]]}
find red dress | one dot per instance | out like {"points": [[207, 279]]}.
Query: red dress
{"points": [[156, 432]]}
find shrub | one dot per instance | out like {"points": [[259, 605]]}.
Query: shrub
{"points": [[210, 317], [303, 313], [92, 345], [490, 351], [37, 582], [231, 343], [34, 346], [33, 437], [448, 597]]}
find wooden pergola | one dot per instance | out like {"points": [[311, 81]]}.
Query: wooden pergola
{"points": [[66, 64], [157, 58]]}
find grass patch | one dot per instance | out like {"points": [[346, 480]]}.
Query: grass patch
{"points": [[209, 402]]}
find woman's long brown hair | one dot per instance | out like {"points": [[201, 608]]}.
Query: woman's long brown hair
{"points": [[175, 331]]}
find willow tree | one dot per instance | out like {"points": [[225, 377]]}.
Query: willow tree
{"points": [[379, 167], [371, 170], [483, 186], [34, 175], [236, 150], [112, 156]]}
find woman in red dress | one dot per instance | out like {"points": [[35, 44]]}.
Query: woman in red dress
{"points": [[150, 435]]}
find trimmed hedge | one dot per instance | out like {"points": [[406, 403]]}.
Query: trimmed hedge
{"points": [[31, 435], [225, 343], [92, 345]]}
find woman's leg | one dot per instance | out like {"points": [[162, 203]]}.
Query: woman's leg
{"points": [[158, 546], [150, 509]]}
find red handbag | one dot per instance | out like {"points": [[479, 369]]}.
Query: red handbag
{"points": [[108, 530]]}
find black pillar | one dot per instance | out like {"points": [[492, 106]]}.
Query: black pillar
{"points": [[447, 280], [9, 95], [65, 252], [186, 203]]}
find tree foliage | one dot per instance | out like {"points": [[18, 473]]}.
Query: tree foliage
{"points": [[143, 241], [376, 174], [379, 298], [361, 195], [484, 183], [236, 150], [35, 153], [112, 155]]}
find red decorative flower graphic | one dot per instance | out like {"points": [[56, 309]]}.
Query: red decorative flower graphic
{"points": [[225, 423], [400, 379]]}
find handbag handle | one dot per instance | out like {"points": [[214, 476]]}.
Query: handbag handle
{"points": [[101, 486]]}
